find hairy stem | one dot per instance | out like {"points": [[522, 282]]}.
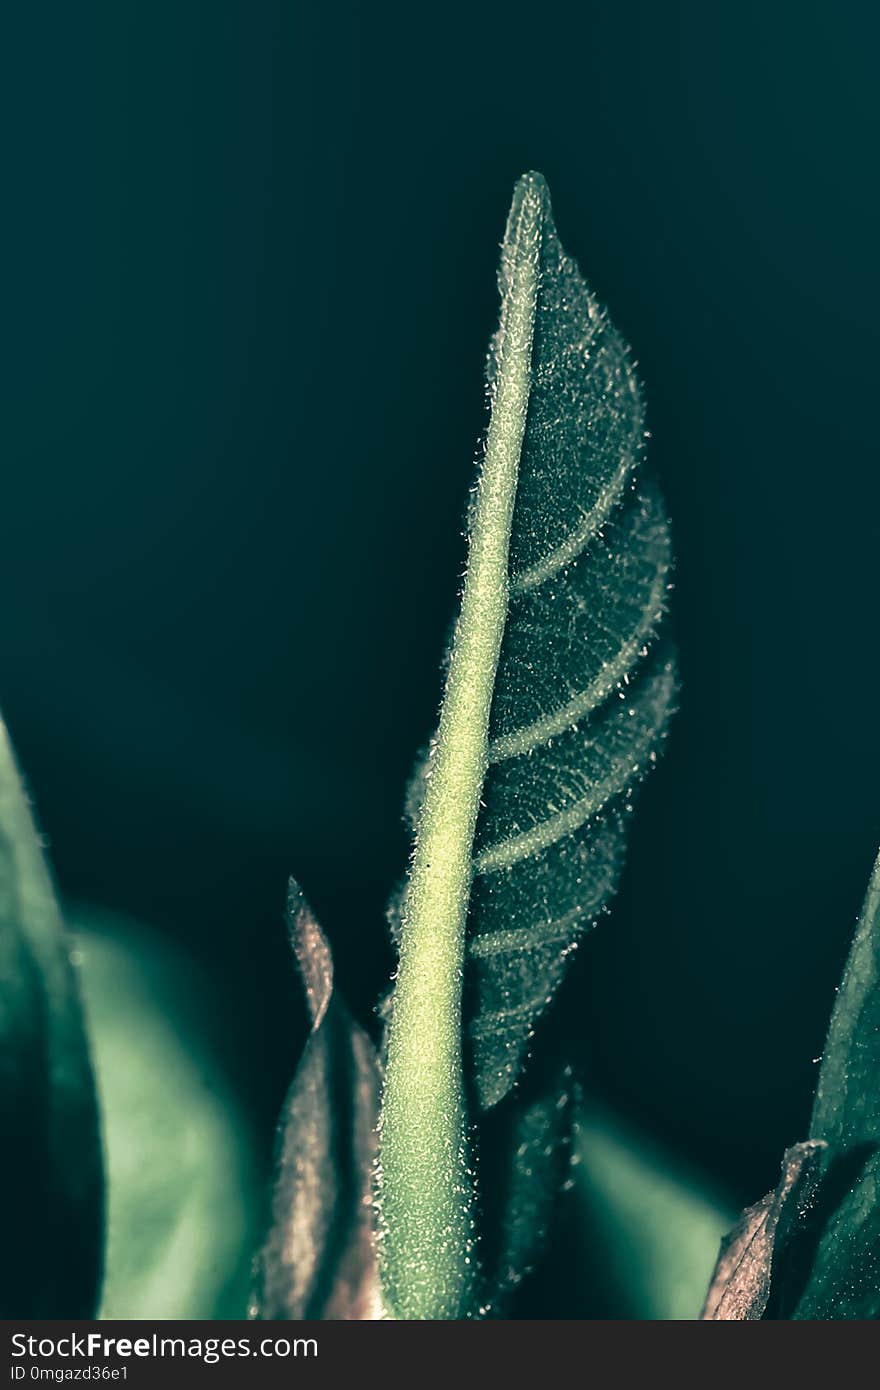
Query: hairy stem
{"points": [[427, 1248]]}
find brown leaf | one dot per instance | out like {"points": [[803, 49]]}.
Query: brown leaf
{"points": [[319, 1258], [740, 1287]]}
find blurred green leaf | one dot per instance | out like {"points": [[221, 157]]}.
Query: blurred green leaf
{"points": [[51, 1170], [184, 1184], [650, 1230], [582, 691]]}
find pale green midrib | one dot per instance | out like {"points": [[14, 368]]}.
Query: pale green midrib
{"points": [[425, 1189]]}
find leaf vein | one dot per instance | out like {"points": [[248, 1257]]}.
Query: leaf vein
{"points": [[579, 538], [546, 833], [524, 938], [535, 735]]}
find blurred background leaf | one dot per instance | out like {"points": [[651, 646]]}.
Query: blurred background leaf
{"points": [[649, 1228], [184, 1185]]}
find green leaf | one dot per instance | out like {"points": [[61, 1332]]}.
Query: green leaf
{"points": [[52, 1178], [184, 1179], [647, 1229], [846, 1110], [557, 696], [319, 1258], [844, 1278], [844, 1266]]}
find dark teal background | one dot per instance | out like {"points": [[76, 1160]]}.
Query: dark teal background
{"points": [[250, 279]]}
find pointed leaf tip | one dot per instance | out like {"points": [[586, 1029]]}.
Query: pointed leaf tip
{"points": [[750, 1254], [313, 955], [319, 1260]]}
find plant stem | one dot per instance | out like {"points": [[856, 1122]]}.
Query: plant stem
{"points": [[426, 1188]]}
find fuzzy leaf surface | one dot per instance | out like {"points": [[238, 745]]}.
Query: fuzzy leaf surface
{"points": [[585, 681], [558, 690], [183, 1164], [846, 1111]]}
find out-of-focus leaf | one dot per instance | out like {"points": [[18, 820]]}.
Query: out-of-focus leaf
{"points": [[751, 1253], [647, 1230], [183, 1173], [535, 1166], [319, 1259], [51, 1169]]}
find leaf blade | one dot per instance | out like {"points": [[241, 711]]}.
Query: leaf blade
{"points": [[585, 685], [647, 1227], [182, 1160], [41, 1017], [538, 1159], [844, 1274], [846, 1109], [319, 1258], [426, 1197], [751, 1253], [520, 828], [826, 1266]]}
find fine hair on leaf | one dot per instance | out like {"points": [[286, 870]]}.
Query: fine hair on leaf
{"points": [[558, 690]]}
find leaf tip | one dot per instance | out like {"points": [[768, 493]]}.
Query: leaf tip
{"points": [[530, 205], [312, 951], [531, 183]]}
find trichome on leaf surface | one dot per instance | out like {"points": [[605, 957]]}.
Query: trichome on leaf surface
{"points": [[557, 695], [417, 1179]]}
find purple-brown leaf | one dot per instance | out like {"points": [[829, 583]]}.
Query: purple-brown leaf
{"points": [[740, 1287], [319, 1257]]}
